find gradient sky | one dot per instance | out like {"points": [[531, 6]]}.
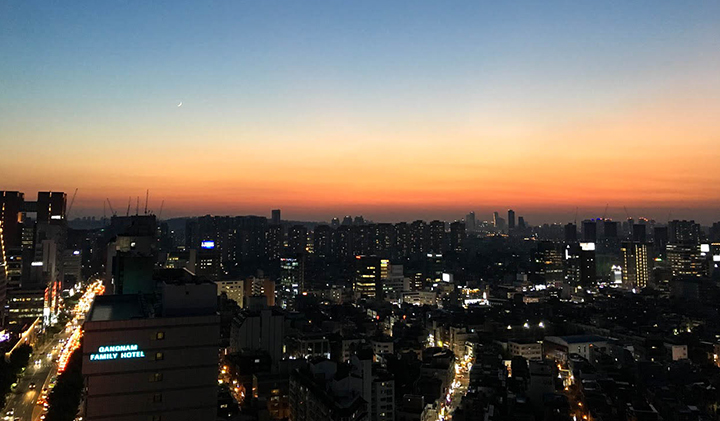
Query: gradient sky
{"points": [[387, 108]]}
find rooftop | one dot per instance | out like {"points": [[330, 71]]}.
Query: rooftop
{"points": [[117, 307]]}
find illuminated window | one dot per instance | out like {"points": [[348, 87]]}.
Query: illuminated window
{"points": [[159, 356], [156, 377], [160, 336], [157, 398]]}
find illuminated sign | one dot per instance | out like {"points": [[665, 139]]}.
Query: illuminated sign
{"points": [[4, 336], [76, 252], [207, 244], [704, 248], [36, 263], [114, 352], [56, 217], [587, 246]]}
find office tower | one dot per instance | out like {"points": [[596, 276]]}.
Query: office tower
{"points": [[434, 267], [457, 236], [511, 219], [276, 216], [322, 241], [550, 260], [347, 220], [359, 220], [521, 222], [12, 205], [636, 265], [297, 239], [131, 257], [588, 270], [153, 358], [393, 280], [419, 238], [274, 242], [683, 232], [72, 268], [209, 263], [686, 260], [292, 279], [580, 264], [496, 217], [367, 282], [660, 240], [437, 236], [571, 233], [335, 223], [589, 231], [470, 222], [50, 206], [639, 233], [610, 229]]}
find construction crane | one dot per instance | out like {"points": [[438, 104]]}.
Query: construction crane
{"points": [[161, 208], [605, 213], [147, 196], [128, 209], [112, 211], [627, 213], [576, 214], [69, 208]]}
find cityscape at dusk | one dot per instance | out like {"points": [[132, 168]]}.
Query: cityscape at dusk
{"points": [[396, 111], [360, 210]]}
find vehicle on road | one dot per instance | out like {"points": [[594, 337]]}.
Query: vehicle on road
{"points": [[31, 386], [9, 414]]}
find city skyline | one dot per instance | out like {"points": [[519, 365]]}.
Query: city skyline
{"points": [[397, 112]]}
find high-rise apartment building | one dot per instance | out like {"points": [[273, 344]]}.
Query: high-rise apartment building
{"points": [[636, 265], [276, 217], [437, 236], [457, 236]]}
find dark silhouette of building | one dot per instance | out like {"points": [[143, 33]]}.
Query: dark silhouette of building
{"points": [[571, 233]]}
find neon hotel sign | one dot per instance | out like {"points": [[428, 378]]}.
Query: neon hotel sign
{"points": [[114, 352]]}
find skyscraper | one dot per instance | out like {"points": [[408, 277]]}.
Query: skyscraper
{"points": [[571, 233], [639, 233], [589, 231], [470, 222], [437, 236], [511, 219], [636, 265], [276, 216]]}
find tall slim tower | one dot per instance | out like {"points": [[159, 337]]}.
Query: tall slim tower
{"points": [[511, 219], [276, 216]]}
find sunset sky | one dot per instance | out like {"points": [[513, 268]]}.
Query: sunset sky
{"points": [[391, 109]]}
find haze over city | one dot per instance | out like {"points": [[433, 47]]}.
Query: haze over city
{"points": [[393, 110]]}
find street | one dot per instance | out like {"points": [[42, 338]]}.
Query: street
{"points": [[42, 367], [24, 400]]}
